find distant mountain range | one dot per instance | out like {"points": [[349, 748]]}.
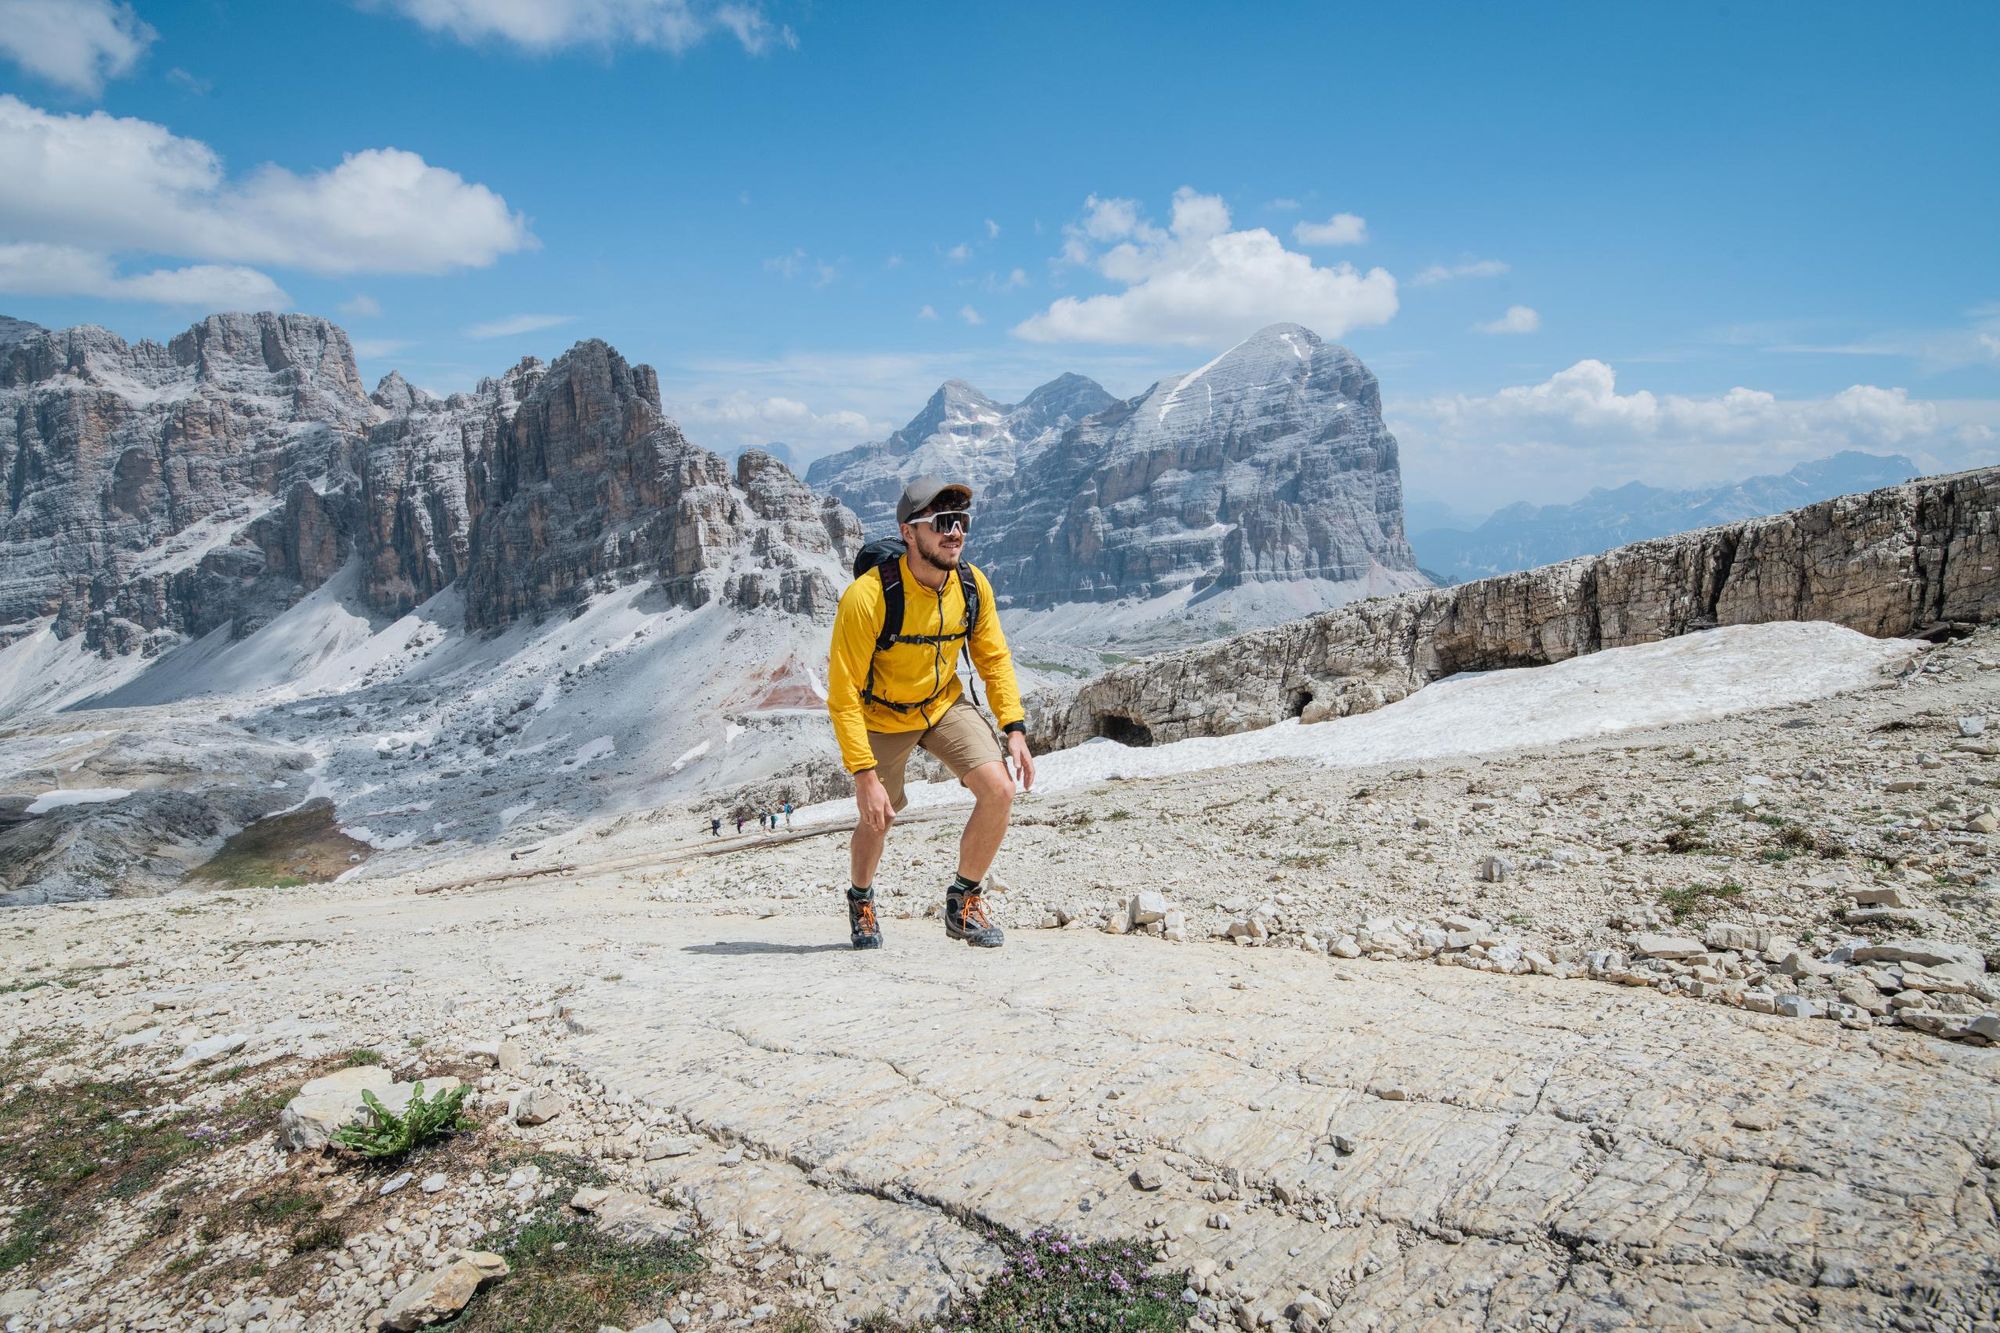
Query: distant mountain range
{"points": [[1523, 536], [1260, 487]]}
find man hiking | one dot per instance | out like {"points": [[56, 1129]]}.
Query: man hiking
{"points": [[892, 685]]}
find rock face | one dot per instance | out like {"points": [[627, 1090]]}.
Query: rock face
{"points": [[160, 492], [1270, 463], [157, 493], [960, 433], [1899, 561]]}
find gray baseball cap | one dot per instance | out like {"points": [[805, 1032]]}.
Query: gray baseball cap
{"points": [[922, 491]]}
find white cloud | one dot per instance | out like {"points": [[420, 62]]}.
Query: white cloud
{"points": [[543, 26], [969, 315], [1471, 268], [1283, 205], [1340, 229], [1550, 441], [195, 84], [33, 269], [798, 261], [361, 306], [928, 312], [515, 325], [1196, 282], [893, 261], [738, 418], [992, 229], [1518, 319], [371, 349], [959, 253], [75, 44], [115, 184]]}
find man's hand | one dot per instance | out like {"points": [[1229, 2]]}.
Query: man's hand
{"points": [[871, 798], [1024, 763]]}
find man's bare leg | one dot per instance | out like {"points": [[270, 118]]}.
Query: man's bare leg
{"points": [[864, 853], [992, 788]]}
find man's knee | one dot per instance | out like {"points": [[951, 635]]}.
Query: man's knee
{"points": [[991, 785]]}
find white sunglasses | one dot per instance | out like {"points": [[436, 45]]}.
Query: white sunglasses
{"points": [[946, 521]]}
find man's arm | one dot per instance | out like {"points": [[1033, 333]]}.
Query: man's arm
{"points": [[1003, 693], [855, 626], [995, 663]]}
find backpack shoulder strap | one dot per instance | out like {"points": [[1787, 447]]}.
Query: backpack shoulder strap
{"points": [[890, 571], [969, 586]]}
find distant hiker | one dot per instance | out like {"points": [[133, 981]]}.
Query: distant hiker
{"points": [[739, 824], [715, 828], [892, 685], [788, 814]]}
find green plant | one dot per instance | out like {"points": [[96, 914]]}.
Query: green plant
{"points": [[568, 1274], [1687, 900], [1050, 1281], [385, 1136], [361, 1055]]}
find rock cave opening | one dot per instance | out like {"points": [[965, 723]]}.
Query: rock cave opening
{"points": [[1124, 730]]}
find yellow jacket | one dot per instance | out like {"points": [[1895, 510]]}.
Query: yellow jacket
{"points": [[911, 672]]}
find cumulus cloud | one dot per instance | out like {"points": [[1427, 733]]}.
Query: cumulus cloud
{"points": [[33, 269], [1340, 229], [1198, 283], [928, 312], [514, 325], [75, 44], [361, 306], [1549, 441], [1471, 268], [969, 315], [114, 184], [992, 229], [739, 418], [1518, 319], [543, 26], [959, 253]]}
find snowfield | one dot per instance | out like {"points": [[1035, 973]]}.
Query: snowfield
{"points": [[1694, 678]]}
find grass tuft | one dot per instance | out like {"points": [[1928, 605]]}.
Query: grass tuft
{"points": [[568, 1274]]}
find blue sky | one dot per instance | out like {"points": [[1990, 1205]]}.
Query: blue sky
{"points": [[1579, 244]]}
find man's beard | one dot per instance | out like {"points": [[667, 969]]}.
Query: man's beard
{"points": [[933, 549]]}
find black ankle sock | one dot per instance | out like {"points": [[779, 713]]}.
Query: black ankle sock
{"points": [[960, 886], [859, 894]]}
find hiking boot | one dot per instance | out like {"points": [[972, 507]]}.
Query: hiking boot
{"points": [[861, 925], [965, 919]]}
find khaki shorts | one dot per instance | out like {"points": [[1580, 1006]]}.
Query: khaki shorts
{"points": [[962, 738]]}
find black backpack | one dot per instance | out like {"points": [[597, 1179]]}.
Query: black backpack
{"points": [[884, 556]]}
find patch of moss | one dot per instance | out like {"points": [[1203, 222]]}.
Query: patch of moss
{"points": [[283, 851]]}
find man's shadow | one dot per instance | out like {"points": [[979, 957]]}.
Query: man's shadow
{"points": [[762, 946]]}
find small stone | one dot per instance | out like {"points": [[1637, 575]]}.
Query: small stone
{"points": [[534, 1106], [1881, 898], [433, 1183], [1670, 947], [1971, 726], [394, 1183], [589, 1199], [1147, 905], [1746, 800], [1389, 1092], [1928, 952], [443, 1292], [1496, 869], [1149, 1176], [1754, 1120]]}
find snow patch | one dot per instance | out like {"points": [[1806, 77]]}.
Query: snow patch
{"points": [[56, 800]]}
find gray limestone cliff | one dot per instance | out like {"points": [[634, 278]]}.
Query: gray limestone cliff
{"points": [[1913, 559], [1270, 464], [154, 494], [960, 433], [158, 492]]}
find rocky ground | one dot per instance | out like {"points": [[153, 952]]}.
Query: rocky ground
{"points": [[1757, 1122]]}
